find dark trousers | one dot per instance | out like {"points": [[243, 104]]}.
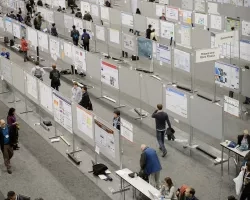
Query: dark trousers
{"points": [[86, 46], [75, 42], [55, 87], [245, 196], [25, 56], [160, 135], [7, 155], [124, 54]]}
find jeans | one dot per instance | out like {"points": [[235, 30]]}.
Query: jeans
{"points": [[160, 135], [25, 56], [75, 42], [86, 46], [154, 179]]}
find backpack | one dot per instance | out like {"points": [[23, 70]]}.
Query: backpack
{"points": [[85, 38], [75, 35], [99, 169], [38, 73], [56, 78]]}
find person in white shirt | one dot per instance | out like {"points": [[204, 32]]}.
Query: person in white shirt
{"points": [[38, 72], [76, 93]]}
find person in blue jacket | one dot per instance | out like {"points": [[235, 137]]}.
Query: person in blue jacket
{"points": [[150, 165], [5, 53]]}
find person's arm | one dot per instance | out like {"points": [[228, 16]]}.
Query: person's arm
{"points": [[154, 114], [168, 121], [143, 160], [170, 194]]}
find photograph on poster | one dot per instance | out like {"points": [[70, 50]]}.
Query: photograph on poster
{"points": [[104, 138], [129, 42], [16, 30], [226, 75], [67, 49], [62, 112], [105, 13], [215, 22], [109, 74], [145, 47], [159, 9], [45, 96], [231, 106], [245, 28], [85, 121], [8, 25], [182, 60], [232, 23], [31, 85], [167, 29], [176, 102], [100, 32], [185, 32], [127, 19], [245, 50], [79, 59], [54, 46], [199, 5], [114, 36], [32, 36], [43, 40], [200, 19], [163, 53], [155, 25], [172, 13], [95, 10], [186, 16], [126, 130]]}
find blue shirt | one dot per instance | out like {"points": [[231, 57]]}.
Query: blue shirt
{"points": [[6, 55], [6, 135]]}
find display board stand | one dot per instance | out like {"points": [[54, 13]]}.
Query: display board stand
{"points": [[25, 98], [15, 100], [172, 63], [3, 87]]}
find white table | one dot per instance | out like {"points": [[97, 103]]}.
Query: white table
{"points": [[236, 151], [137, 183]]}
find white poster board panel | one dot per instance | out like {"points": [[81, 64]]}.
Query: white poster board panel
{"points": [[186, 16], [42, 12], [57, 3], [114, 36], [247, 3], [187, 4], [8, 25], [85, 121], [172, 13], [105, 13], [128, 42], [204, 55], [127, 130], [165, 2], [16, 30], [200, 19], [100, 32], [176, 102], [32, 36], [67, 49], [79, 59], [54, 47], [127, 19], [68, 21], [237, 2], [109, 74], [50, 16], [226, 75], [182, 60], [231, 106], [163, 53], [62, 112], [43, 41], [245, 28], [167, 29], [85, 7], [45, 96], [185, 32], [78, 23], [159, 9], [216, 22], [245, 50], [31, 85], [199, 5], [225, 37], [6, 68], [155, 25], [94, 10]]}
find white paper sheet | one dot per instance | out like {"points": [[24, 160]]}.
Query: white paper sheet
{"points": [[245, 28], [127, 130], [105, 13], [159, 9], [187, 4], [54, 47], [172, 13], [127, 19], [182, 60], [45, 96], [128, 42], [31, 85], [185, 32], [79, 59], [245, 50], [8, 25], [213, 8], [79, 24], [114, 36], [85, 7], [231, 106], [167, 29], [100, 32], [16, 30], [163, 53], [43, 40], [94, 10], [68, 21], [109, 74], [67, 49], [199, 5], [32, 36], [216, 22]]}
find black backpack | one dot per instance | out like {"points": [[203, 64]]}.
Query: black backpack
{"points": [[56, 76], [99, 169]]}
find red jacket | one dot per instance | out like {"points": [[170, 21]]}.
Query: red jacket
{"points": [[24, 45]]}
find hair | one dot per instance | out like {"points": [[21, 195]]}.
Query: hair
{"points": [[192, 191], [63, 8], [73, 26], [159, 106], [53, 24], [11, 111], [231, 198], [138, 11], [78, 9], [84, 30], [23, 37], [85, 88], [10, 194], [117, 112], [37, 62], [75, 83], [149, 26], [54, 66], [168, 180]]}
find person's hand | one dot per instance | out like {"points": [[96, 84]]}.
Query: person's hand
{"points": [[15, 123]]}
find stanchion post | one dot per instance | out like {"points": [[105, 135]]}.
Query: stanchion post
{"points": [[172, 64], [37, 54]]}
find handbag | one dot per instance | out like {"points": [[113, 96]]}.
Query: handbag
{"points": [[170, 134]]}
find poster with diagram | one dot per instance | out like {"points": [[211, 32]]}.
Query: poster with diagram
{"points": [[32, 36], [200, 19], [16, 29], [43, 41], [109, 74], [199, 5], [182, 60], [54, 47], [100, 32], [79, 59], [67, 48], [127, 19], [163, 53], [167, 29], [185, 32], [85, 7], [129, 42], [31, 85], [94, 10], [85, 121], [68, 21], [8, 25], [216, 22]]}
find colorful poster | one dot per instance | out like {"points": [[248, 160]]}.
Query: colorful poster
{"points": [[85, 121], [232, 24], [167, 30], [172, 13], [186, 16], [200, 19], [109, 74]]}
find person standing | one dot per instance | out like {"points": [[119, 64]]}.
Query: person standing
{"points": [[153, 35], [150, 165], [29, 8], [245, 195], [148, 31], [55, 78], [162, 17], [87, 17], [53, 30], [85, 40], [85, 101], [24, 48], [161, 118], [117, 120], [38, 71], [76, 93], [75, 35], [168, 189], [7, 140], [11, 121], [38, 22]]}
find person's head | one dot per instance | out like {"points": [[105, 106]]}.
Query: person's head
{"points": [[84, 88], [37, 63], [169, 182], [54, 66], [63, 8], [75, 84], [84, 30], [3, 49], [143, 146], [11, 112], [12, 12], [231, 198], [74, 27], [53, 25], [163, 14], [11, 195], [137, 11], [117, 113], [78, 9], [190, 192], [23, 38], [85, 12], [159, 106], [60, 7], [149, 26], [245, 133], [248, 166]]}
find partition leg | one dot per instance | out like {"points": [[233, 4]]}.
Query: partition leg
{"points": [[26, 107], [222, 149], [2, 85]]}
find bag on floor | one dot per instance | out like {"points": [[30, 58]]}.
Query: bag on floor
{"points": [[239, 182], [99, 169], [170, 134]]}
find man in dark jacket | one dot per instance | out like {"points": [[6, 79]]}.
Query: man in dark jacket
{"points": [[85, 39], [29, 8], [55, 78], [12, 15], [13, 196], [87, 17], [75, 35], [148, 31], [40, 3], [150, 165], [78, 13], [189, 194], [117, 120], [161, 118], [38, 22], [7, 140], [53, 30], [85, 102]]}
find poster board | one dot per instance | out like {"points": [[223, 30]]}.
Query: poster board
{"points": [[78, 23], [159, 9], [245, 50], [145, 47], [155, 25], [54, 47], [79, 59], [32, 36], [18, 80], [226, 75], [212, 8], [172, 13], [110, 74], [129, 42], [200, 19], [85, 7], [68, 21], [43, 41], [45, 97], [62, 111], [199, 5], [187, 4], [16, 29], [31, 86], [231, 106], [104, 13], [245, 28], [163, 53], [186, 16], [127, 130], [181, 60], [185, 33], [114, 36], [127, 19], [100, 32], [67, 48], [167, 30], [8, 25], [94, 10]]}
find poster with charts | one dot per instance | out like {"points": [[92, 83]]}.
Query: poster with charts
{"points": [[186, 16], [114, 36], [85, 121], [78, 23], [8, 25], [200, 19], [104, 138], [127, 19], [159, 9], [67, 49], [185, 32], [105, 13], [187, 4], [145, 47], [172, 13], [199, 5], [62, 111], [94, 10], [100, 32], [68, 21], [232, 23], [32, 89], [1, 23], [129, 42], [167, 29], [54, 47], [109, 74], [32, 36], [79, 59], [182, 60], [216, 22], [176, 102], [245, 28], [127, 130], [245, 50], [16, 29], [155, 25], [226, 75], [85, 7], [163, 53], [45, 96], [43, 41], [231, 106]]}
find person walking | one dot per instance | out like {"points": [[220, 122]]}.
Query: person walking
{"points": [[55, 78], [38, 71], [75, 35], [7, 140], [148, 31], [85, 40], [76, 93], [150, 165], [24, 48], [117, 120], [245, 195], [11, 121], [85, 101], [161, 118], [53, 30]]}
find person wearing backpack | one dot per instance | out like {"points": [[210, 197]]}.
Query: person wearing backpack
{"points": [[85, 40], [75, 35], [55, 78], [37, 71], [38, 22]]}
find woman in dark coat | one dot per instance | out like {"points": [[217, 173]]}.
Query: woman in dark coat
{"points": [[85, 102], [11, 121]]}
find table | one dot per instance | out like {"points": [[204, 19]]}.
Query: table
{"points": [[236, 151], [137, 183]]}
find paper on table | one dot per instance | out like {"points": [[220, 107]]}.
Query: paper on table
{"points": [[108, 172], [103, 177]]}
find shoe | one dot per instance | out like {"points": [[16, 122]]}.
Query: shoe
{"points": [[9, 171], [160, 148], [164, 154]]}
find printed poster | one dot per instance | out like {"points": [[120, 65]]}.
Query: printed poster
{"points": [[109, 74]]}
